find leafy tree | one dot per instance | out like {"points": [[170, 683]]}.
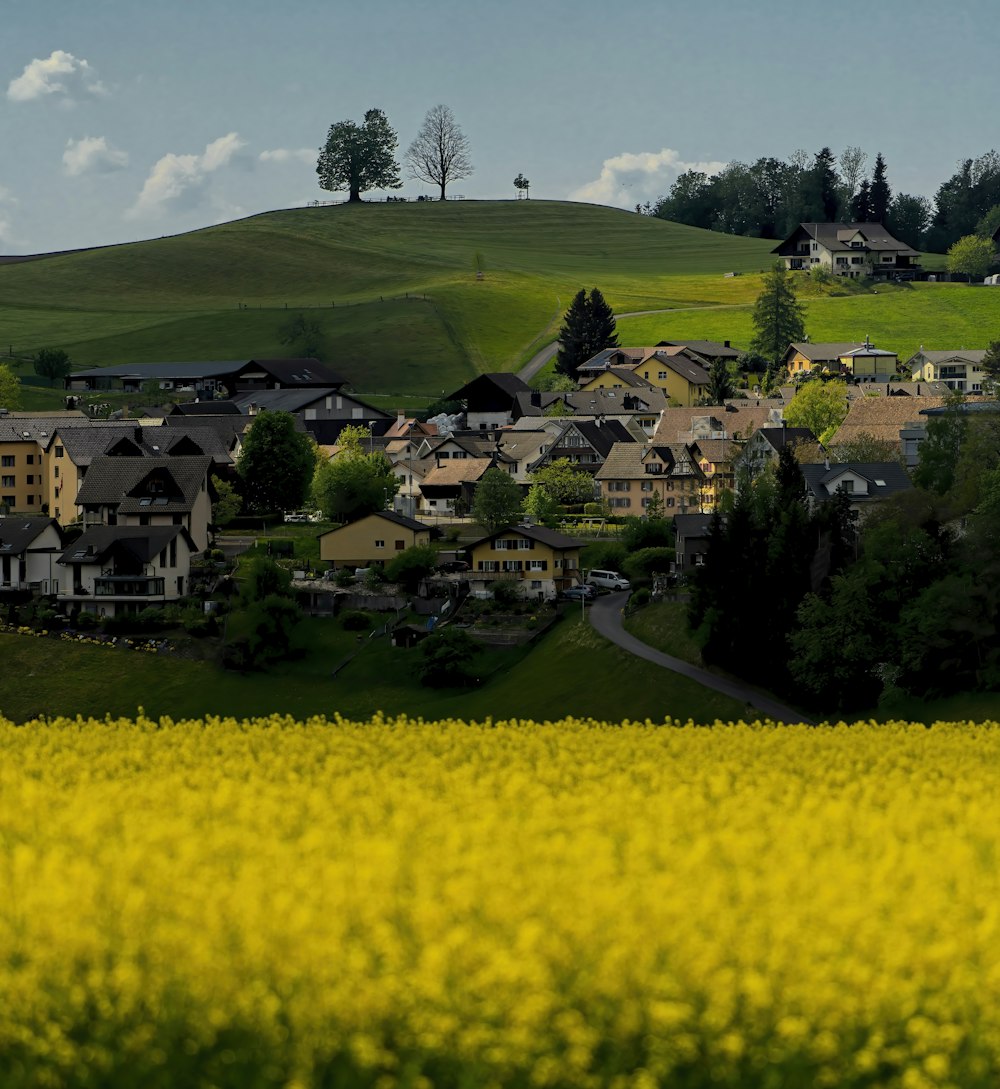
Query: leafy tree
{"points": [[261, 577], [777, 316], [864, 446], [988, 225], [971, 256], [588, 328], [641, 566], [909, 218], [648, 532], [354, 483], [852, 165], [522, 185], [411, 565], [303, 335], [10, 388], [359, 157], [276, 464], [440, 152], [655, 507], [820, 406], [881, 194], [940, 449], [567, 485], [555, 383], [497, 502], [558, 408], [541, 506], [445, 657], [53, 364], [228, 504]]}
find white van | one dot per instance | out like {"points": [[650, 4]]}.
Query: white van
{"points": [[608, 580]]}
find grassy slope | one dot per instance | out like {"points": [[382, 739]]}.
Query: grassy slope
{"points": [[47, 677], [179, 298]]}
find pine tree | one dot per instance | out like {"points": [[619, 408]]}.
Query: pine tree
{"points": [[588, 328], [881, 194], [861, 210], [777, 316]]}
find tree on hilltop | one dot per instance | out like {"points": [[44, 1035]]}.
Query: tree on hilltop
{"points": [[53, 364], [440, 152], [359, 157], [971, 256], [881, 194]]}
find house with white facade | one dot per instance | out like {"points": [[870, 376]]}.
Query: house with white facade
{"points": [[854, 250]]}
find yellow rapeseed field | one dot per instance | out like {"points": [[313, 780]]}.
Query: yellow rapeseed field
{"points": [[398, 903]]}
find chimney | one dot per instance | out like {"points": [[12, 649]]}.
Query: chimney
{"points": [[400, 417], [536, 398], [726, 344]]}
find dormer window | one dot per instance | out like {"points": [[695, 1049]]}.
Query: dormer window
{"points": [[654, 467]]}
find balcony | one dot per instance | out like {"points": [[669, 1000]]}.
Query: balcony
{"points": [[128, 586]]}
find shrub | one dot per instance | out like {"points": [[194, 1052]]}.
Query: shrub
{"points": [[355, 620], [344, 577], [506, 592], [374, 578], [640, 597], [647, 533], [604, 556], [445, 657], [412, 565], [642, 565]]}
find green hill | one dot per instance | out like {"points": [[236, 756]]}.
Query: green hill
{"points": [[416, 298], [393, 286]]}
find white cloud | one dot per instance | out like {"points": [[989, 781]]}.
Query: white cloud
{"points": [[179, 181], [58, 74], [634, 177], [92, 153], [285, 155]]}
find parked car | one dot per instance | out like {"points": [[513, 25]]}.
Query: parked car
{"points": [[452, 566], [579, 593], [608, 580]]}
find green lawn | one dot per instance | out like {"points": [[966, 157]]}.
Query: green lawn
{"points": [[571, 671]]}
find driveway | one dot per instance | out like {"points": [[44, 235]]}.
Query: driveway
{"points": [[606, 619]]}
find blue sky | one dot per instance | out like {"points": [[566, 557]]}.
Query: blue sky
{"points": [[122, 119]]}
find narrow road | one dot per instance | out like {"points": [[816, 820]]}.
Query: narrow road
{"points": [[606, 619]]}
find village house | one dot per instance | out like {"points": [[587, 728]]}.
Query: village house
{"points": [[887, 419], [633, 474], [864, 482], [675, 370], [960, 369], [29, 546], [489, 400], [222, 378], [541, 561], [24, 437], [372, 540], [860, 360], [854, 250]]}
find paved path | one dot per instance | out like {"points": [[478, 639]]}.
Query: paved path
{"points": [[537, 361], [606, 619]]}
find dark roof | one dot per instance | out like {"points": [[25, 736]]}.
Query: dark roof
{"points": [[145, 543], [388, 516], [601, 434], [228, 429], [18, 427], [779, 437], [692, 525], [551, 537], [83, 444], [884, 478], [712, 349], [295, 372], [215, 369], [831, 236], [17, 532], [206, 408], [489, 385], [124, 483], [685, 367]]}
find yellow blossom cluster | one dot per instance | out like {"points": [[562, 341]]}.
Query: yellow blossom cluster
{"points": [[402, 903]]}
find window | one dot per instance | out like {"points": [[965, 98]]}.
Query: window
{"points": [[400, 546], [31, 500], [488, 565], [618, 486], [815, 245], [846, 486], [30, 459], [887, 260], [654, 467], [670, 501], [841, 260], [7, 482], [662, 375], [524, 544], [626, 502], [7, 461], [380, 544], [646, 486], [536, 584], [857, 260], [59, 451], [538, 565]]}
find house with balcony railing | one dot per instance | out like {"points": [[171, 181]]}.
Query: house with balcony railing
{"points": [[853, 250], [29, 548]]}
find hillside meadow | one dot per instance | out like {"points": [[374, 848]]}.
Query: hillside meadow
{"points": [[403, 904]]}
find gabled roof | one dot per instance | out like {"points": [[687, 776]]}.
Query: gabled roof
{"points": [[297, 399], [692, 525], [959, 355], [295, 372], [884, 478], [457, 471], [83, 444], [676, 423], [881, 417], [205, 408], [837, 236], [780, 437], [144, 543], [122, 482], [387, 516], [18, 532], [499, 382], [37, 427], [817, 352], [551, 537], [711, 349]]}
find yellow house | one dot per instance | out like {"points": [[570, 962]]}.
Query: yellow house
{"points": [[861, 359], [23, 439], [670, 369], [633, 473], [373, 540], [542, 561]]}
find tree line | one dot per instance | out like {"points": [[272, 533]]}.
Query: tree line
{"points": [[770, 197]]}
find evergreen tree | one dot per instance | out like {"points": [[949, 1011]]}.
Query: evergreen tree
{"points": [[720, 383], [861, 208], [777, 316], [823, 187], [881, 194], [991, 364], [588, 328]]}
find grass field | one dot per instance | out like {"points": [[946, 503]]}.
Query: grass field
{"points": [[556, 678]]}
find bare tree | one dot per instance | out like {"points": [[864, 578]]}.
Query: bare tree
{"points": [[440, 152], [852, 166]]}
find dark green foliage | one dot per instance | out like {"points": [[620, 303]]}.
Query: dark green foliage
{"points": [[355, 620], [604, 556], [359, 157], [861, 206], [721, 384], [261, 577], [909, 218], [881, 194], [777, 316], [497, 502], [439, 406], [445, 657], [588, 328], [991, 362], [641, 566], [276, 464], [411, 565], [267, 627], [963, 201], [53, 364], [639, 597], [822, 188], [940, 449], [354, 484], [507, 592], [645, 533], [303, 336], [228, 503]]}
